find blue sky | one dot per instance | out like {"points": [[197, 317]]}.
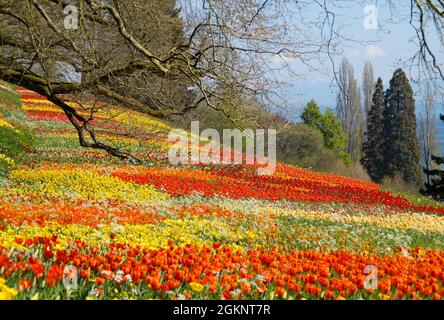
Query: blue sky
{"points": [[383, 47], [386, 47]]}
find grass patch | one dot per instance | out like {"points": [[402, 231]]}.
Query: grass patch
{"points": [[10, 99]]}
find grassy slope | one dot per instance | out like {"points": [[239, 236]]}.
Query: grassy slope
{"points": [[49, 135], [84, 194]]}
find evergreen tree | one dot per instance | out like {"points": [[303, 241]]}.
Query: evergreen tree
{"points": [[435, 187], [400, 148], [312, 115], [372, 148]]}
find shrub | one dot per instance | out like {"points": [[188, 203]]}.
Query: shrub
{"points": [[300, 146], [397, 184]]}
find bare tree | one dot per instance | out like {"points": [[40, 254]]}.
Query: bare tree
{"points": [[368, 86], [427, 18], [148, 56], [427, 130], [349, 110]]}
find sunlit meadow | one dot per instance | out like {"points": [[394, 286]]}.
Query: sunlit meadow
{"points": [[78, 224]]}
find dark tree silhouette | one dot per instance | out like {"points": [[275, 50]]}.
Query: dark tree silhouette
{"points": [[401, 146], [435, 188], [372, 148]]}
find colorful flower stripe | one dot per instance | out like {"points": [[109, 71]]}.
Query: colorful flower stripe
{"points": [[153, 236], [326, 229], [39, 105], [105, 112], [302, 186], [86, 184], [56, 115], [46, 116], [109, 121], [194, 271], [85, 213], [27, 106]]}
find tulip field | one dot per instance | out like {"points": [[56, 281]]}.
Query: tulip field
{"points": [[76, 223]]}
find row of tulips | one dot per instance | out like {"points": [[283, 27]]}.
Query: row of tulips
{"points": [[192, 271]]}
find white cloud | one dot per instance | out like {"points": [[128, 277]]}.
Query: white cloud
{"points": [[282, 59], [374, 51]]}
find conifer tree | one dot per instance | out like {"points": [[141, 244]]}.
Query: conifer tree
{"points": [[312, 115], [372, 148], [400, 148]]}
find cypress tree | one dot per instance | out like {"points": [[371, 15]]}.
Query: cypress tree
{"points": [[401, 146], [372, 159]]}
